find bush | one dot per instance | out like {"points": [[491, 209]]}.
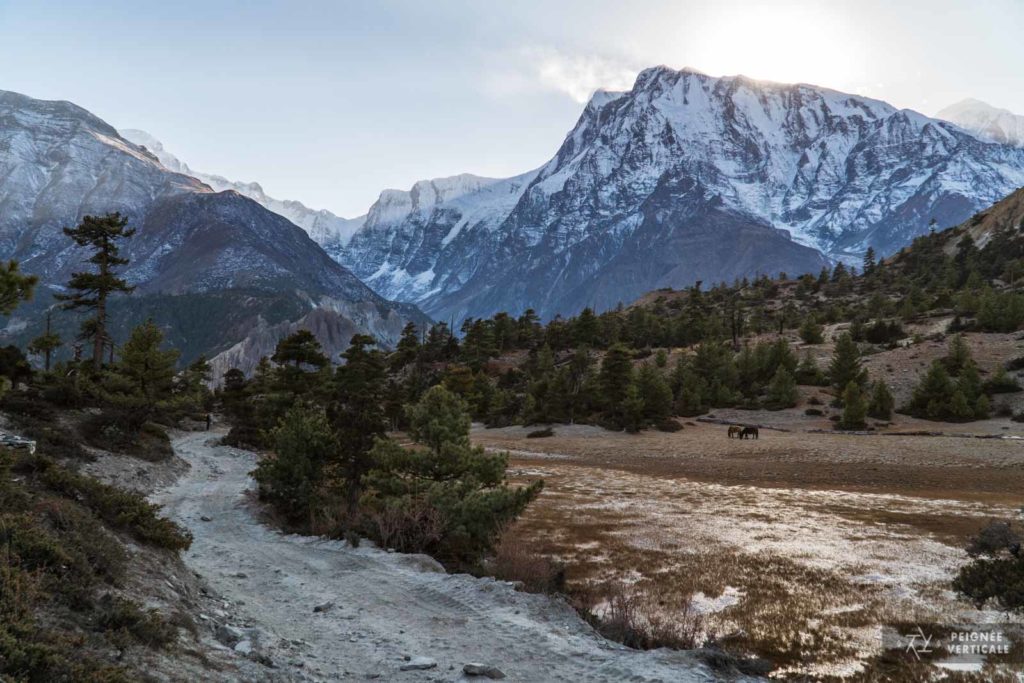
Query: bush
{"points": [[126, 618], [541, 433], [641, 622], [1001, 383], [997, 570], [515, 560], [122, 509], [669, 425]]}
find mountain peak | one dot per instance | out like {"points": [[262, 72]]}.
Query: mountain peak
{"points": [[986, 121]]}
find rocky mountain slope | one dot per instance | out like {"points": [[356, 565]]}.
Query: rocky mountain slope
{"points": [[985, 121], [322, 225], [235, 272], [685, 177]]}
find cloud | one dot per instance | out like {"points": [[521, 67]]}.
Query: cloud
{"points": [[546, 69], [578, 76]]}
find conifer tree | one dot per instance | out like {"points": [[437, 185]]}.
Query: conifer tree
{"points": [[854, 407], [102, 235], [45, 344], [407, 349], [782, 391], [655, 393], [616, 376], [298, 349], [632, 411], [356, 413], [15, 287], [882, 402], [845, 366], [811, 332], [869, 261], [141, 383], [452, 496]]}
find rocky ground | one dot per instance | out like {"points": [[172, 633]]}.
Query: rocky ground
{"points": [[309, 609]]}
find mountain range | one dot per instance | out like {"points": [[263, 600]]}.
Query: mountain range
{"points": [[685, 177], [231, 275]]}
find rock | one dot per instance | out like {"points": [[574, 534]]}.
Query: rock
{"points": [[205, 518], [492, 672], [228, 635], [423, 563], [241, 575], [419, 664], [323, 608], [244, 647]]}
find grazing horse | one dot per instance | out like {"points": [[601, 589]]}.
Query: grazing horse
{"points": [[748, 432], [735, 430]]}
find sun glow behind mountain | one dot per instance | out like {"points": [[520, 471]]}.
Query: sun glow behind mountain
{"points": [[788, 44]]}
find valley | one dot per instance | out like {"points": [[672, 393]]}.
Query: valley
{"points": [[798, 547]]}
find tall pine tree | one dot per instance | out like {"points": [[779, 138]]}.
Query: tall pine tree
{"points": [[102, 235]]}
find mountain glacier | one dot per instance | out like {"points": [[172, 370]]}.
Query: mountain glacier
{"points": [[986, 121], [685, 177], [323, 226], [232, 275]]}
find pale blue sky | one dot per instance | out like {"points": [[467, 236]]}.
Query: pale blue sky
{"points": [[330, 102]]}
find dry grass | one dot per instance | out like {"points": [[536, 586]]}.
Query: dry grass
{"points": [[799, 575]]}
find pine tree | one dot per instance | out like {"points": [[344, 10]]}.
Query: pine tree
{"points": [[854, 408], [882, 402], [303, 444], [91, 290], [616, 377], [45, 344], [782, 391], [811, 332], [141, 383], [407, 349], [845, 366], [298, 349], [14, 287], [451, 498], [958, 356], [655, 393], [632, 410], [356, 413], [869, 261]]}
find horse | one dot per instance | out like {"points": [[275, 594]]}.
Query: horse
{"points": [[749, 431], [735, 430]]}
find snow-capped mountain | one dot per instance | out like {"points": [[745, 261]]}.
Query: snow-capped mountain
{"points": [[432, 238], [323, 226], [685, 177], [234, 272], [986, 121]]}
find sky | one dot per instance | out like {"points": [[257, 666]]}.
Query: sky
{"points": [[331, 102]]}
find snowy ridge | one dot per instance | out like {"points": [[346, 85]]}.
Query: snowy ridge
{"points": [[323, 226], [685, 177], [220, 250], [986, 121]]}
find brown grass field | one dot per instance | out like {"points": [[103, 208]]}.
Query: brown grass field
{"points": [[795, 547]]}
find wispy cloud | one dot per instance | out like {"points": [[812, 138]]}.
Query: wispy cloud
{"points": [[548, 69], [578, 76]]}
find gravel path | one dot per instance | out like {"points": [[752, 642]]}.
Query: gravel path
{"points": [[385, 607]]}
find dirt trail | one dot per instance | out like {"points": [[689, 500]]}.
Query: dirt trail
{"points": [[386, 606]]}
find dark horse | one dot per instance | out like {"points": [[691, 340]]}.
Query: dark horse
{"points": [[749, 432]]}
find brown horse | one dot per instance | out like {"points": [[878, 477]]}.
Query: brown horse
{"points": [[735, 430], [749, 432]]}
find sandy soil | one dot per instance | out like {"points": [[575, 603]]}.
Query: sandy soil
{"points": [[795, 547], [385, 607]]}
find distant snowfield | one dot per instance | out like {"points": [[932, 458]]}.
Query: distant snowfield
{"points": [[385, 607]]}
